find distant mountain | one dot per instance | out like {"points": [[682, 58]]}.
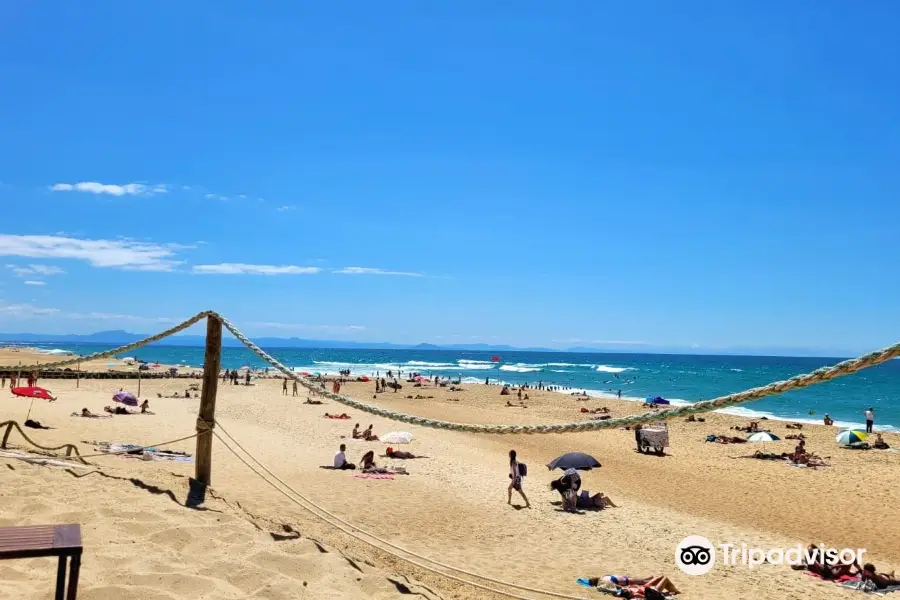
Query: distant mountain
{"points": [[120, 338]]}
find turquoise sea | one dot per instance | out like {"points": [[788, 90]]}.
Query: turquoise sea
{"points": [[679, 378]]}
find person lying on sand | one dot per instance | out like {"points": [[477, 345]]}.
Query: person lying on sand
{"points": [[760, 455], [693, 419], [35, 424], [753, 427], [89, 415], [311, 401], [824, 570], [795, 436], [119, 410], [794, 426], [595, 411], [725, 439], [516, 405], [391, 453], [340, 416], [880, 580], [659, 583]]}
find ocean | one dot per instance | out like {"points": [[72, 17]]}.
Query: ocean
{"points": [[678, 378]]}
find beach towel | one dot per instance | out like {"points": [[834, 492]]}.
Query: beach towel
{"points": [[373, 476]]}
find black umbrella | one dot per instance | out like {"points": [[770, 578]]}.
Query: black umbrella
{"points": [[574, 460]]}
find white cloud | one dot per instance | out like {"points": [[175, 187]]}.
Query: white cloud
{"points": [[372, 271], [35, 270], [285, 208], [35, 282], [26, 311], [245, 269], [302, 327], [123, 254], [93, 187]]}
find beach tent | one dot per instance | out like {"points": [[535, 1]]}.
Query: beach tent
{"points": [[849, 437], [128, 360], [657, 400]]}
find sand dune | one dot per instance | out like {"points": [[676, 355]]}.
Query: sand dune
{"points": [[452, 507]]}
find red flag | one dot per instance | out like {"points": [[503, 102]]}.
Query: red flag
{"points": [[495, 358]]}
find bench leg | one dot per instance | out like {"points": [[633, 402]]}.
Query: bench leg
{"points": [[73, 577], [61, 578]]}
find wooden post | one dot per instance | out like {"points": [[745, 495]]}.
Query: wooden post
{"points": [[78, 375], [207, 416], [139, 381]]}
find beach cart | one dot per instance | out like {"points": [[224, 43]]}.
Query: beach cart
{"points": [[654, 437]]}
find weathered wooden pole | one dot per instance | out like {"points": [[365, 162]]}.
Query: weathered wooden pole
{"points": [[206, 419], [139, 381], [78, 375]]}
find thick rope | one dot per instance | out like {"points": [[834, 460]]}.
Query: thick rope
{"points": [[121, 349], [351, 533], [10, 425], [779, 387], [383, 541]]}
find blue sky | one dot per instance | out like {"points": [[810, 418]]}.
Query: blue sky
{"points": [[649, 174]]}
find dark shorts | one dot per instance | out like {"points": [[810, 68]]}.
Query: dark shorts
{"points": [[517, 484]]}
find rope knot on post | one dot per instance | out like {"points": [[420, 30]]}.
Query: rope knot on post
{"points": [[203, 426]]}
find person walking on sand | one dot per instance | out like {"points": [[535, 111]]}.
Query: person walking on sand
{"points": [[294, 390], [515, 483], [870, 419]]}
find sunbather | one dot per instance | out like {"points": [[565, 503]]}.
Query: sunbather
{"points": [[355, 434], [880, 580], [879, 443], [368, 435], [660, 583], [340, 416], [311, 401], [391, 453], [119, 410], [598, 501], [145, 408]]}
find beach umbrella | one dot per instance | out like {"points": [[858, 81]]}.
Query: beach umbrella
{"points": [[33, 392], [397, 437], [850, 436], [763, 436], [126, 398], [574, 460]]}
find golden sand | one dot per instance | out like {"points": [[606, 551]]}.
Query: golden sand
{"points": [[452, 507]]}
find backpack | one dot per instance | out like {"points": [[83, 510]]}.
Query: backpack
{"points": [[523, 470]]}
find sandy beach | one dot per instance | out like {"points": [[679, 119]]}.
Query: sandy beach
{"points": [[141, 543]]}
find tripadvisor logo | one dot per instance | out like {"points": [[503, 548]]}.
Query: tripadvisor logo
{"points": [[696, 555]]}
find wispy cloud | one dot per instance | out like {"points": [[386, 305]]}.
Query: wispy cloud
{"points": [[27, 270], [24, 311], [286, 208], [303, 327], [373, 271], [128, 189], [30, 311], [35, 282], [245, 269], [122, 254]]}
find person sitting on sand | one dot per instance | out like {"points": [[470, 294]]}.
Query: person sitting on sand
{"points": [[880, 580], [368, 435], [828, 420], [367, 462], [391, 453], [340, 459], [659, 583], [879, 443], [145, 408], [355, 434]]}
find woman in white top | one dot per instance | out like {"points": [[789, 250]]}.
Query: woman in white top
{"points": [[515, 480]]}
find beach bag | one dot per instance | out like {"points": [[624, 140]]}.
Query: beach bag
{"points": [[523, 470]]}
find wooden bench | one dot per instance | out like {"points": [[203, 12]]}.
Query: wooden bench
{"points": [[34, 541]]}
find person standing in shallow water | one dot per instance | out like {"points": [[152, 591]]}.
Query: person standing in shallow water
{"points": [[516, 480], [870, 419]]}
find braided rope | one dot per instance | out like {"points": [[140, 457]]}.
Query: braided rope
{"points": [[10, 425], [778, 387], [121, 349]]}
